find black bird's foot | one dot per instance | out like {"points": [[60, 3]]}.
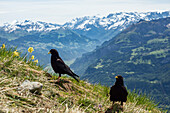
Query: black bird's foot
{"points": [[58, 79]]}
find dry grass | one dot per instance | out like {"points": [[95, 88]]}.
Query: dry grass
{"points": [[68, 96]]}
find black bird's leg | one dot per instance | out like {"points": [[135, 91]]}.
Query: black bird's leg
{"points": [[112, 104], [59, 77], [122, 106], [121, 103]]}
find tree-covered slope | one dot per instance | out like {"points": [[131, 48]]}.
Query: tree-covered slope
{"points": [[141, 53]]}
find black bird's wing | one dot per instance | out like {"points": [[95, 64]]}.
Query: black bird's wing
{"points": [[118, 93], [124, 91], [62, 68], [124, 94]]}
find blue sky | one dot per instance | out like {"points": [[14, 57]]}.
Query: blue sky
{"points": [[60, 11]]}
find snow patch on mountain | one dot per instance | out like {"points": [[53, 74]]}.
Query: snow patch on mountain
{"points": [[113, 21], [168, 26], [110, 22], [29, 26]]}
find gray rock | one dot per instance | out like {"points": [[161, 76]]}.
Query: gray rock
{"points": [[34, 87]]}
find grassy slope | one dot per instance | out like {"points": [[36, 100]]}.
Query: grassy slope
{"points": [[66, 96]]}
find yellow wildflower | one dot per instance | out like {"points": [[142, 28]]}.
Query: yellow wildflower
{"points": [[30, 49], [32, 57], [3, 46], [36, 61], [15, 53]]}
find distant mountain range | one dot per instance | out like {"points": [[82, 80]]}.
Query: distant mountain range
{"points": [[72, 39], [140, 53], [30, 26], [69, 44], [96, 27], [105, 28]]}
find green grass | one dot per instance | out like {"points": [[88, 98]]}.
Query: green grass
{"points": [[156, 40], [141, 99], [67, 95]]}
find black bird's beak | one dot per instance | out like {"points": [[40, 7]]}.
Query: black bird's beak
{"points": [[49, 52], [116, 76]]}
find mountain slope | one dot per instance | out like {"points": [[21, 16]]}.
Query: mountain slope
{"points": [[68, 96], [141, 53], [104, 28]]}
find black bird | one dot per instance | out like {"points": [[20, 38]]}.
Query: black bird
{"points": [[59, 66], [118, 91]]}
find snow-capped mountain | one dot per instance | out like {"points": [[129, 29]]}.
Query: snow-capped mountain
{"points": [[112, 21], [29, 26], [75, 37], [96, 27], [88, 24], [104, 28]]}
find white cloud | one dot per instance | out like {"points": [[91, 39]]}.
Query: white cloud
{"points": [[60, 11]]}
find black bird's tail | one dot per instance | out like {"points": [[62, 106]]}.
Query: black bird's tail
{"points": [[76, 75], [75, 78]]}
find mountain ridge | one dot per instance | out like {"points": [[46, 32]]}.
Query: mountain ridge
{"points": [[95, 27], [106, 27]]}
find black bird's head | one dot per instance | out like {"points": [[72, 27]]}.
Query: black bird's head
{"points": [[54, 52], [119, 79]]}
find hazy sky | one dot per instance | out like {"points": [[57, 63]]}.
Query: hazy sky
{"points": [[60, 11]]}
